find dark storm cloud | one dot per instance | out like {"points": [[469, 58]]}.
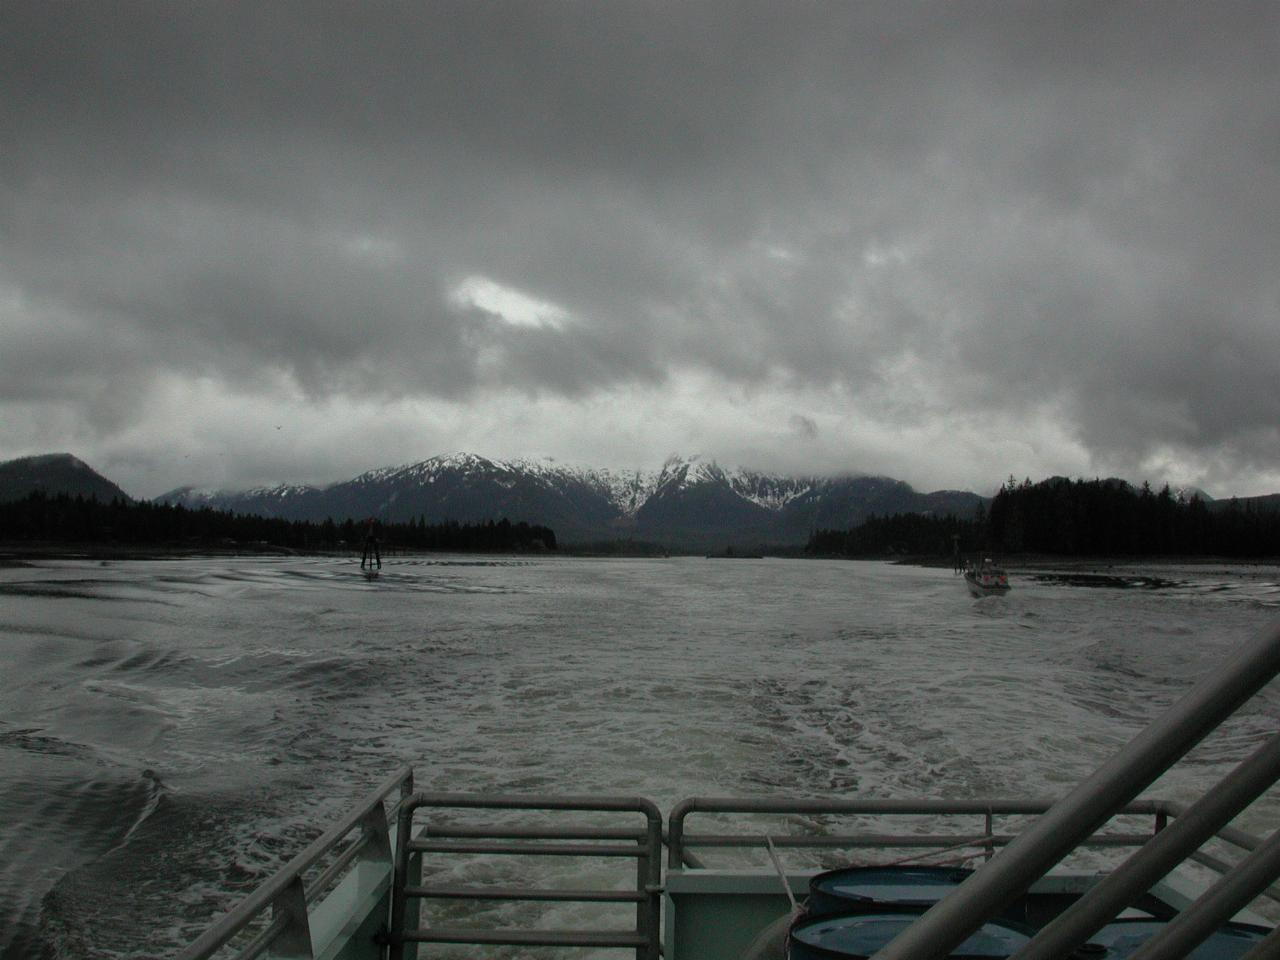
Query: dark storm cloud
{"points": [[1074, 204]]}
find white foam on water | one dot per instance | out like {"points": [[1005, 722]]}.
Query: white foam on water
{"points": [[269, 694]]}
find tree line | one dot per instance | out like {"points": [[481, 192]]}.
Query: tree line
{"points": [[1096, 518], [62, 518]]}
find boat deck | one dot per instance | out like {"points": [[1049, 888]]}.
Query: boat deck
{"points": [[611, 873]]}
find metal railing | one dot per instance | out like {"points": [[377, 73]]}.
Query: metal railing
{"points": [[288, 893], [1074, 818], [1243, 844], [642, 843], [286, 934], [1017, 859], [985, 839]]}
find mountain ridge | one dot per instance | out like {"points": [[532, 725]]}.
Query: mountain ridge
{"points": [[690, 502]]}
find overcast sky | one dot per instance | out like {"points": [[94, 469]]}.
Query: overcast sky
{"points": [[947, 242]]}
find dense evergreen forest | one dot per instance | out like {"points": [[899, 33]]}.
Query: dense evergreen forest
{"points": [[1096, 518], [66, 519], [899, 535]]}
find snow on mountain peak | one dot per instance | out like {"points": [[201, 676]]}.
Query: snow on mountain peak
{"points": [[463, 461], [764, 490], [626, 489], [679, 471]]}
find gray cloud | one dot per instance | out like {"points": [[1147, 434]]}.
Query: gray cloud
{"points": [[806, 428], [1066, 206]]}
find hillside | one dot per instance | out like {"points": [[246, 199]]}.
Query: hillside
{"points": [[55, 473], [688, 502]]}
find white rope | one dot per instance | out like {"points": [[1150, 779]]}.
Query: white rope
{"points": [[777, 865], [983, 841]]}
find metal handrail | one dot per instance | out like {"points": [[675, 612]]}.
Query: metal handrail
{"points": [[645, 848], [1060, 828], [1238, 838], [1181, 839], [947, 924], [1216, 905], [1231, 835], [679, 840], [285, 892]]}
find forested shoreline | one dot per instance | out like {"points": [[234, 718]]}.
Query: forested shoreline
{"points": [[62, 518], [1073, 518], [1069, 518]]}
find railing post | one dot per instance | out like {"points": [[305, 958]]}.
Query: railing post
{"points": [[675, 837], [649, 883], [400, 878], [376, 836], [294, 939]]}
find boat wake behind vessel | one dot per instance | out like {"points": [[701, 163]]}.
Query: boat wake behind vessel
{"points": [[403, 880], [985, 579]]}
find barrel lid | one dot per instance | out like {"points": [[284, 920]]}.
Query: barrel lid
{"points": [[863, 933], [1122, 938], [898, 884]]}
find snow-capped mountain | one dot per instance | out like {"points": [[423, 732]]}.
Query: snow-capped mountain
{"points": [[687, 502], [286, 500]]}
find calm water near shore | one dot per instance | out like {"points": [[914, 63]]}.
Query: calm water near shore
{"points": [[173, 730]]}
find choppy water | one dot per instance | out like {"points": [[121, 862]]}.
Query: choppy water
{"points": [[171, 731]]}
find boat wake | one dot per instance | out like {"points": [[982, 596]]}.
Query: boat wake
{"points": [[64, 824]]}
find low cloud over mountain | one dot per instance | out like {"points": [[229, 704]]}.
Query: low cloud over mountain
{"points": [[55, 473], [688, 502]]}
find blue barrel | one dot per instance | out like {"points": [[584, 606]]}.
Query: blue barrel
{"points": [[1122, 938], [858, 935], [839, 891]]}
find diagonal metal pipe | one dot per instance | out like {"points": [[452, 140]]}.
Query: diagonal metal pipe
{"points": [[1216, 906], [949, 922], [1268, 948], [1162, 853]]}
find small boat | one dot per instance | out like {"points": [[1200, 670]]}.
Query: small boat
{"points": [[985, 579], [405, 869]]}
